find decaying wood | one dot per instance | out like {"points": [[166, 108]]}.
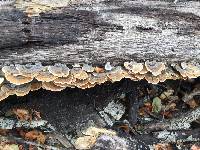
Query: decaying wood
{"points": [[182, 122], [99, 31]]}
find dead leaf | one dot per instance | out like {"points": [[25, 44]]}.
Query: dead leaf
{"points": [[35, 135], [167, 114], [22, 114], [192, 103], [170, 106], [4, 132], [157, 105], [8, 147], [195, 147], [163, 146]]}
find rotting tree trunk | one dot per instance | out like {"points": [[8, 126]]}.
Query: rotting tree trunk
{"points": [[99, 31], [152, 40], [92, 32]]}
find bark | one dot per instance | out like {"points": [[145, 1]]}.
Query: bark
{"points": [[99, 31]]}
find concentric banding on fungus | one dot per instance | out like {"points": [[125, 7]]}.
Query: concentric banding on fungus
{"points": [[97, 78], [29, 70], [65, 80], [51, 86], [36, 86], [155, 67], [45, 76], [79, 74], [191, 70], [3, 95], [134, 67], [18, 80], [9, 89], [59, 70], [10, 70], [22, 90], [116, 74]]}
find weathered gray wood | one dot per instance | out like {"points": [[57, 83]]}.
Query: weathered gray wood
{"points": [[99, 31]]}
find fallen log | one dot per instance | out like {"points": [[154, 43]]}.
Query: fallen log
{"points": [[54, 45], [85, 43]]}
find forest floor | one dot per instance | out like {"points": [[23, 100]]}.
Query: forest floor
{"points": [[122, 115]]}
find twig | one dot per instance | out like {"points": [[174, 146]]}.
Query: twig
{"points": [[6, 123], [22, 141], [188, 97], [176, 136], [182, 122], [63, 140]]}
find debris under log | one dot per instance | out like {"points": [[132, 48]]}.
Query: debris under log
{"points": [[121, 114]]}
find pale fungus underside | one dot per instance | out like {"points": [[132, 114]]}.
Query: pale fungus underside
{"points": [[57, 44], [20, 79]]}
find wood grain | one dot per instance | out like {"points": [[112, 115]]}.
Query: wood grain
{"points": [[99, 31]]}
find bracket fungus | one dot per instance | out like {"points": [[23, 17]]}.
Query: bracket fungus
{"points": [[155, 67], [51, 86], [45, 76], [29, 70], [59, 70], [134, 67], [79, 74], [19, 79], [116, 74], [59, 76]]}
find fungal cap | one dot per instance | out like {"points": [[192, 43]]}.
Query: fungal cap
{"points": [[65, 80], [97, 78], [1, 80], [22, 90], [79, 74], [18, 80], [45, 76], [29, 70], [59, 70], [3, 95], [134, 67], [51, 86], [151, 79], [10, 70], [155, 67], [36, 86], [116, 74]]}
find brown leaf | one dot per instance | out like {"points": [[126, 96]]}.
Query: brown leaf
{"points": [[35, 135], [167, 114], [163, 146], [192, 103], [170, 106], [195, 147], [4, 132], [22, 114], [21, 147]]}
